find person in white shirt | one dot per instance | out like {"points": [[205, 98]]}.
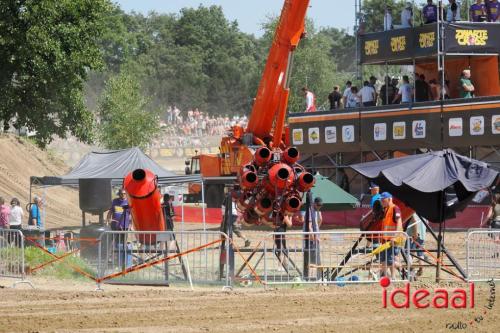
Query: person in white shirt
{"points": [[353, 100], [388, 19], [405, 94], [310, 100], [347, 92], [453, 11], [367, 94], [407, 16], [16, 214]]}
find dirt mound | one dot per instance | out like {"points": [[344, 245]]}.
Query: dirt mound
{"points": [[20, 159]]}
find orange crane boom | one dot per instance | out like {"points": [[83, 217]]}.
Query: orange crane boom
{"points": [[272, 95]]}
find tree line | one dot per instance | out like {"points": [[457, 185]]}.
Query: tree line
{"points": [[74, 67]]}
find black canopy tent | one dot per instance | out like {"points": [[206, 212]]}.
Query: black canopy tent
{"points": [[424, 181], [114, 166]]}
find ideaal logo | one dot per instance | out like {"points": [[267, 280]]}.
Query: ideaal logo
{"points": [[471, 37], [458, 298]]}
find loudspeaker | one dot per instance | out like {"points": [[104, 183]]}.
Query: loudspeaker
{"points": [[95, 195]]}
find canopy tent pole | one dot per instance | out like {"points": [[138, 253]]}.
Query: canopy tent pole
{"points": [[387, 83]]}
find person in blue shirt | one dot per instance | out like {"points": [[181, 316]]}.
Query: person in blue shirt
{"points": [[36, 212], [374, 190]]}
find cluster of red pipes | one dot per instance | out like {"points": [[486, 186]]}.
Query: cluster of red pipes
{"points": [[272, 183]]}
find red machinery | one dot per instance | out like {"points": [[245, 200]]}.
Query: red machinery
{"points": [[144, 201], [268, 174]]}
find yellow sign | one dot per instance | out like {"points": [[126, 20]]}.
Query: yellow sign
{"points": [[398, 44], [427, 39], [371, 47], [471, 37]]}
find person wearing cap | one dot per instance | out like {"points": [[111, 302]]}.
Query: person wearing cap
{"points": [[407, 16], [117, 216], [391, 222]]}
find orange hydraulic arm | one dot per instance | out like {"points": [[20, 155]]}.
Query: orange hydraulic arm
{"points": [[272, 96]]}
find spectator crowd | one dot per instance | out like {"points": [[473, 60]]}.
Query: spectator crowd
{"points": [[188, 128]]}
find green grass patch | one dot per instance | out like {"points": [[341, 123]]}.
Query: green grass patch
{"points": [[60, 269]]}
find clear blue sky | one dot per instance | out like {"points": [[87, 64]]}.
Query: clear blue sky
{"points": [[250, 14]]}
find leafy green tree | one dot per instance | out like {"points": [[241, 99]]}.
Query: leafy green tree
{"points": [[373, 12], [124, 117], [47, 48]]}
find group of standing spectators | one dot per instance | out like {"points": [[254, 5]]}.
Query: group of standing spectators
{"points": [[11, 216], [392, 92], [480, 11]]}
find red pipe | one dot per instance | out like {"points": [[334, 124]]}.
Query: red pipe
{"points": [[144, 198]]}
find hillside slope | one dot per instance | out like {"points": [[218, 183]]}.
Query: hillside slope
{"points": [[20, 159]]}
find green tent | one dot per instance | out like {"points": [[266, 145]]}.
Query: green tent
{"points": [[334, 198]]}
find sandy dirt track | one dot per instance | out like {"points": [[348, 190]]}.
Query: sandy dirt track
{"points": [[74, 307]]}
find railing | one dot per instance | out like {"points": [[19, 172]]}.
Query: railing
{"points": [[12, 259], [328, 257], [483, 255], [163, 258]]}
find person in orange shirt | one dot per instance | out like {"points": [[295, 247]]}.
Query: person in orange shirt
{"points": [[391, 223]]}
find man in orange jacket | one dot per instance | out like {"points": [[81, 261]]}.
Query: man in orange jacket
{"points": [[391, 223]]}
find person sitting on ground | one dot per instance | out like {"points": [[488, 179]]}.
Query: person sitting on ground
{"points": [[405, 93], [477, 11], [16, 214], [4, 214], [391, 223], [335, 98], [429, 12], [466, 87], [367, 95]]}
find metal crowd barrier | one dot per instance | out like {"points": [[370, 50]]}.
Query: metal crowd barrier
{"points": [[335, 257], [163, 258], [12, 264], [483, 255]]}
